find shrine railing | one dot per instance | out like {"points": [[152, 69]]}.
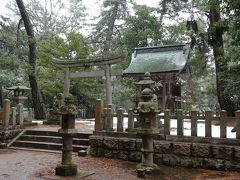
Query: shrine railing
{"points": [[183, 124]]}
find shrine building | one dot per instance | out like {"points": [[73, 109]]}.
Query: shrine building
{"points": [[168, 68]]}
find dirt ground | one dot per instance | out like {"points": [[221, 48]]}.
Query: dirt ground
{"points": [[31, 165]]}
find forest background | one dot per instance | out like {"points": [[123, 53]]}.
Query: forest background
{"points": [[64, 29]]}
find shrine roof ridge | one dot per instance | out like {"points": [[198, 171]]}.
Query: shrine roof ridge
{"points": [[158, 59], [162, 46]]}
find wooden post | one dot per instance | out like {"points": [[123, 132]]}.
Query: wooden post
{"points": [[180, 122], [208, 123], [167, 122], [120, 120], [13, 116], [6, 112], [237, 114], [108, 84], [98, 115], [130, 120], [30, 115], [223, 121], [164, 96], [194, 122], [109, 118], [105, 121], [66, 83], [20, 114], [158, 122]]}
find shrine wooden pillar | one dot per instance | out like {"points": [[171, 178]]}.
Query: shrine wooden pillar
{"points": [[164, 95]]}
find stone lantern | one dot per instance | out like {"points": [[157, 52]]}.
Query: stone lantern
{"points": [[147, 82], [19, 93], [147, 128], [67, 131]]}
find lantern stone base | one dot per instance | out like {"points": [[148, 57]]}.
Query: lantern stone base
{"points": [[148, 168], [66, 170]]}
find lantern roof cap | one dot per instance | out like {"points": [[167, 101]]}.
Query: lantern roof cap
{"points": [[18, 87], [147, 80]]}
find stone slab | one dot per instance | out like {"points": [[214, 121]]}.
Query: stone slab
{"points": [[201, 150], [222, 152], [162, 147], [182, 149]]}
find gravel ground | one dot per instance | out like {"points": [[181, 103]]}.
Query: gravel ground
{"points": [[31, 165]]}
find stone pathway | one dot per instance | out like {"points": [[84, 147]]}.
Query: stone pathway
{"points": [[30, 165]]}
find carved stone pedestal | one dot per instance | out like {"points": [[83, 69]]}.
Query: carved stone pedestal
{"points": [[147, 154]]}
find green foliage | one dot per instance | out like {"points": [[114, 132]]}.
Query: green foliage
{"points": [[124, 92], [199, 92], [12, 57], [56, 25], [69, 48], [58, 16], [107, 32], [142, 28], [86, 91], [172, 8]]}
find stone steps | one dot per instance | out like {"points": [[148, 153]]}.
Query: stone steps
{"points": [[55, 133], [53, 139], [39, 150], [49, 141]]}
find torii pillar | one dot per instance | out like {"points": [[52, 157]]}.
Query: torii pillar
{"points": [[66, 83], [108, 84]]}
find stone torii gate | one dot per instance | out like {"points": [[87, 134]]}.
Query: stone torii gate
{"points": [[101, 61]]}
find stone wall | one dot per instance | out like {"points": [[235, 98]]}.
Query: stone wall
{"points": [[195, 153], [7, 134]]}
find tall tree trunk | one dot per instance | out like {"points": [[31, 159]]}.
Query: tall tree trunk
{"points": [[1, 96], [36, 95], [218, 52]]}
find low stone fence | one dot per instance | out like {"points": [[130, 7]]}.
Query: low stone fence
{"points": [[198, 152], [208, 152]]}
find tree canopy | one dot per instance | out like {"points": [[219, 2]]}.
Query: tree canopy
{"points": [[210, 27]]}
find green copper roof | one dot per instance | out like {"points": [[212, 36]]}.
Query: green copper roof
{"points": [[158, 59]]}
